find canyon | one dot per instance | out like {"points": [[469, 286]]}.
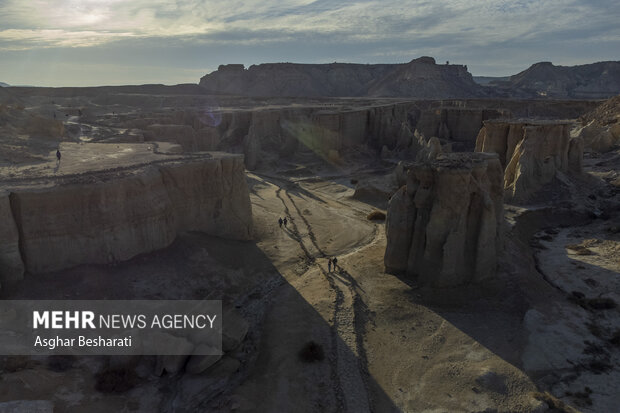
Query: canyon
{"points": [[460, 271]]}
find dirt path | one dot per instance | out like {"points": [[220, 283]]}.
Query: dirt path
{"points": [[346, 343]]}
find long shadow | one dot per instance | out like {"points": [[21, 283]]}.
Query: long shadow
{"points": [[290, 318], [281, 323], [493, 314]]}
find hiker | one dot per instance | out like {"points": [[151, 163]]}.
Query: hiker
{"points": [[285, 221], [335, 261], [329, 265], [280, 222], [58, 155]]}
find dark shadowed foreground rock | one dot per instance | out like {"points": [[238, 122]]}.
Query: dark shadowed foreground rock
{"points": [[27, 406], [531, 152], [444, 226]]}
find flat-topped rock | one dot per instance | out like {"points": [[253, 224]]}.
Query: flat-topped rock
{"points": [[120, 202], [444, 226]]}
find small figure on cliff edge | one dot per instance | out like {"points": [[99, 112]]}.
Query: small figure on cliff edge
{"points": [[58, 155], [280, 222], [285, 221]]}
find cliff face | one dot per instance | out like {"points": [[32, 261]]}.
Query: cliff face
{"points": [[113, 220], [444, 226], [591, 81], [531, 153], [420, 78], [391, 125], [11, 265]]}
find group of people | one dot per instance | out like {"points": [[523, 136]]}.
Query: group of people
{"points": [[330, 261], [282, 221]]}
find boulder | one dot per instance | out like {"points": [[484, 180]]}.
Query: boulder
{"points": [[376, 191], [445, 226]]}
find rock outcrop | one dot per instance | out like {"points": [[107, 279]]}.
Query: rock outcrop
{"points": [[601, 127], [531, 152], [445, 226], [108, 220], [420, 78]]}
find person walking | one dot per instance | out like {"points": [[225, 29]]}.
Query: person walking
{"points": [[58, 155], [285, 221], [280, 222], [335, 262], [329, 265]]}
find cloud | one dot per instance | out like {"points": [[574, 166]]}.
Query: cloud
{"points": [[490, 36], [480, 21]]}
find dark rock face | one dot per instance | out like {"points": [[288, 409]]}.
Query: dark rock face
{"points": [[591, 81], [420, 78]]}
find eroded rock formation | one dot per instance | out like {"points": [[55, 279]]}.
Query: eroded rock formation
{"points": [[531, 152], [107, 220], [444, 226], [601, 127]]}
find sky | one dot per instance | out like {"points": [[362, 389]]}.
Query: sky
{"points": [[114, 42]]}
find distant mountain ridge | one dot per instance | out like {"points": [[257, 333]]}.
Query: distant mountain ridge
{"points": [[599, 80], [421, 78]]}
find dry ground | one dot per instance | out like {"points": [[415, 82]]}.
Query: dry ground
{"points": [[389, 345]]}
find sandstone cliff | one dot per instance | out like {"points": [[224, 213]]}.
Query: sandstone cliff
{"points": [[321, 130], [420, 78], [531, 152], [445, 225], [103, 220]]}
